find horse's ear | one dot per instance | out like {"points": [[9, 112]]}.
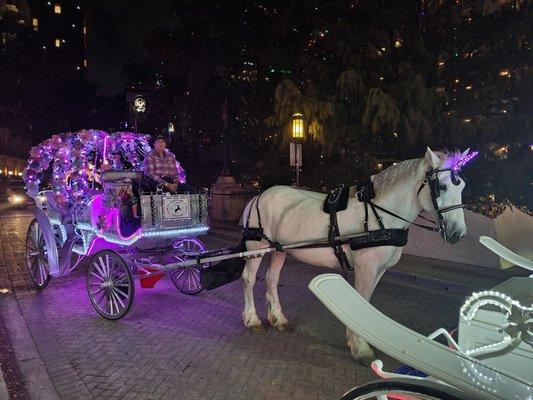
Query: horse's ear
{"points": [[432, 158], [465, 153]]}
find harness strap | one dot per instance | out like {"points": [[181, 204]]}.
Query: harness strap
{"points": [[429, 228], [257, 233], [366, 217], [334, 232], [378, 218]]}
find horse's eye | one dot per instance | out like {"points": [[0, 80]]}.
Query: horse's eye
{"points": [[443, 188], [455, 179]]}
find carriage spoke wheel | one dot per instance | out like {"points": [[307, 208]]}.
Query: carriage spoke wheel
{"points": [[404, 388], [37, 256], [110, 285], [187, 280]]}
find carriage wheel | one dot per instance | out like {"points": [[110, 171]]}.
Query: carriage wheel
{"points": [[388, 389], [110, 285], [37, 255], [187, 280], [189, 246]]}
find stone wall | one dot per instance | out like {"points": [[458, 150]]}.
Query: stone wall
{"points": [[513, 229]]}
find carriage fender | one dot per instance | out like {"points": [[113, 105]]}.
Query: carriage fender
{"points": [[49, 240]]}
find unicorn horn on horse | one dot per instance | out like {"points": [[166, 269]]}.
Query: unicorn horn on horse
{"points": [[377, 223]]}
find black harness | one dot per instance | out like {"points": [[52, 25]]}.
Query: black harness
{"points": [[384, 237], [337, 200], [257, 234]]}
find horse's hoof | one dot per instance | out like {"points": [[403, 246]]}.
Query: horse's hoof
{"points": [[257, 329], [366, 360], [285, 328]]}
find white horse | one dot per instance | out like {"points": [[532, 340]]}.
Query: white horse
{"points": [[290, 215]]}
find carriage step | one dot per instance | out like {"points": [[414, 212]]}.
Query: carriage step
{"points": [[150, 281]]}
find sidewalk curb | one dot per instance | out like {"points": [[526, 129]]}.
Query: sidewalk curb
{"points": [[37, 382], [392, 274], [4, 394]]}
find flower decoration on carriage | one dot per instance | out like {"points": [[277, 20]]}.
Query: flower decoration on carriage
{"points": [[181, 173], [132, 146], [76, 160]]}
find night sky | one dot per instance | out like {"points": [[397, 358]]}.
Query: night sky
{"points": [[117, 31]]}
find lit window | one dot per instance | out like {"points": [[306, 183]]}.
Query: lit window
{"points": [[57, 43], [35, 23], [57, 8], [85, 30], [85, 63]]}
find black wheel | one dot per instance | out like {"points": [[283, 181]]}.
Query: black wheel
{"points": [[405, 388], [187, 280], [37, 256], [110, 285]]}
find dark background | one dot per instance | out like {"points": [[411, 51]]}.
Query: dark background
{"points": [[376, 82]]}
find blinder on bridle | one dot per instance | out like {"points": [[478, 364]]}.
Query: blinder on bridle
{"points": [[435, 186]]}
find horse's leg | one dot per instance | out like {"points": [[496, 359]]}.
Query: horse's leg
{"points": [[368, 272], [249, 314], [275, 314], [364, 283]]}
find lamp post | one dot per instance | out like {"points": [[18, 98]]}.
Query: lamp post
{"points": [[296, 145], [225, 170]]}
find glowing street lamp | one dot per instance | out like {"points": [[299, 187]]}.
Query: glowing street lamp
{"points": [[297, 126], [296, 146]]}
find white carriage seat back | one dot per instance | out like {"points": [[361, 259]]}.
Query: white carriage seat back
{"points": [[114, 176], [505, 253]]}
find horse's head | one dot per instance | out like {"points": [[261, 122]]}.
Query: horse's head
{"points": [[441, 193]]}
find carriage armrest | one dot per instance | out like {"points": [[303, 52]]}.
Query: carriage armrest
{"points": [[112, 176]]}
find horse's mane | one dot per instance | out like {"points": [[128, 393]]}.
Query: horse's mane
{"points": [[407, 170]]}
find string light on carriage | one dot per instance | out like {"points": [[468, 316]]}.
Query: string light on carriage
{"points": [[495, 299]]}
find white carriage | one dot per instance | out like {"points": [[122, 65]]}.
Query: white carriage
{"points": [[121, 248], [492, 360]]}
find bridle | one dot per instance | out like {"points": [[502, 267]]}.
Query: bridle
{"points": [[432, 180], [365, 194]]}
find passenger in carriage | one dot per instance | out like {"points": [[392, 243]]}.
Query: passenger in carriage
{"points": [[160, 169]]}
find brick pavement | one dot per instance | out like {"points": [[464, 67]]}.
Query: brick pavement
{"points": [[174, 346]]}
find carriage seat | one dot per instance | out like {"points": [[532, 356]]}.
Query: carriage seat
{"points": [[115, 176]]}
